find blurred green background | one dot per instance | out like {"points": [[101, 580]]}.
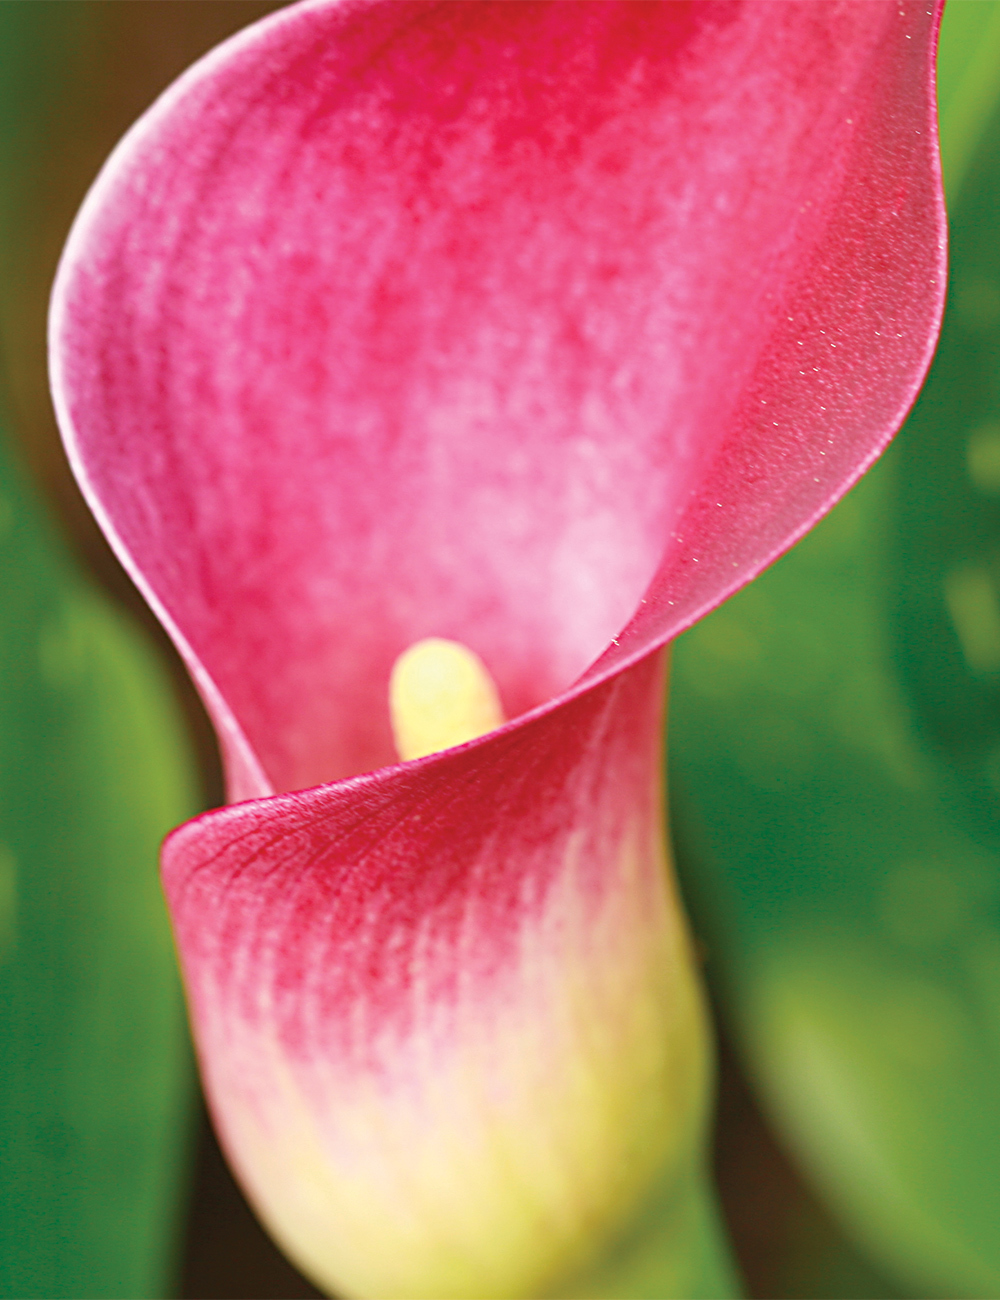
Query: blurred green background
{"points": [[99, 1121], [835, 767], [835, 776]]}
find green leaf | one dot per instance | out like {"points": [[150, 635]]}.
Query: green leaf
{"points": [[836, 768], [968, 83], [95, 1088]]}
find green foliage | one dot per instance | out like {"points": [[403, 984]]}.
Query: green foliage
{"points": [[836, 769], [95, 1085], [96, 1079]]}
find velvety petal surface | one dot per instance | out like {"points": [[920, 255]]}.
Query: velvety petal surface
{"points": [[449, 1018], [536, 326], [474, 320]]}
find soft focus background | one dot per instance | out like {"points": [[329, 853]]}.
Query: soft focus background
{"points": [[835, 768]]}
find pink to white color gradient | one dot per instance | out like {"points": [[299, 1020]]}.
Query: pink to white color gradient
{"points": [[542, 327]]}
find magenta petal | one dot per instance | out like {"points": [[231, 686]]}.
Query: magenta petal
{"points": [[473, 320], [447, 1015], [537, 326]]}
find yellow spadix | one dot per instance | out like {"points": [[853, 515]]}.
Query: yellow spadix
{"points": [[440, 694]]}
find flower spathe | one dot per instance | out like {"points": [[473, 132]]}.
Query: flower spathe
{"points": [[536, 327], [480, 1021]]}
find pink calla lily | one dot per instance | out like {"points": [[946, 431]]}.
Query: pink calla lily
{"points": [[542, 327]]}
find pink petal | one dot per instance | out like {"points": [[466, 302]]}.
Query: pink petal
{"points": [[449, 1019], [469, 319], [541, 327]]}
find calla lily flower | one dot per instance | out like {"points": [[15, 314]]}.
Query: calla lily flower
{"points": [[537, 329]]}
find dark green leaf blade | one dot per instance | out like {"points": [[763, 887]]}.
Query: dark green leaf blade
{"points": [[95, 1089]]}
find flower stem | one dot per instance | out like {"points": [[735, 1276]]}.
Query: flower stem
{"points": [[677, 1250]]}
